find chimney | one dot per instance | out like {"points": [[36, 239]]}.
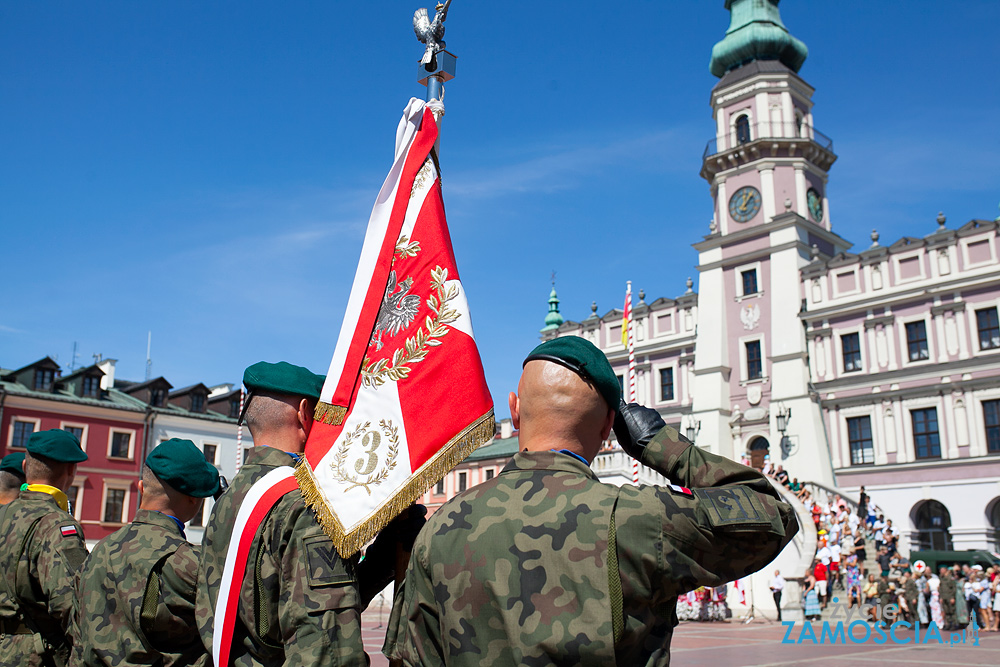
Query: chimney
{"points": [[506, 428], [108, 366]]}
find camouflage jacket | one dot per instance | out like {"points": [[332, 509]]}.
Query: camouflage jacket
{"points": [[135, 598], [947, 590], [516, 570], [41, 551], [299, 602]]}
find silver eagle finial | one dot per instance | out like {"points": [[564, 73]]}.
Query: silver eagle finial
{"points": [[430, 32]]}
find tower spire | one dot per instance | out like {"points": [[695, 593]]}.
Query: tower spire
{"points": [[756, 33], [554, 318]]}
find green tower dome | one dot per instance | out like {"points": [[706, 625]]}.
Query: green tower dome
{"points": [[554, 318], [756, 33]]}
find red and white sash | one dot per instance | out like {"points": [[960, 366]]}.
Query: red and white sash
{"points": [[263, 496]]}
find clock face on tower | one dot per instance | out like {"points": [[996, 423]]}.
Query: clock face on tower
{"points": [[815, 203], [744, 204]]}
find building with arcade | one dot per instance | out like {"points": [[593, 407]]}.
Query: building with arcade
{"points": [[874, 364]]}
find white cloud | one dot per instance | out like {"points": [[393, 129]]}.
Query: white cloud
{"points": [[562, 167]]}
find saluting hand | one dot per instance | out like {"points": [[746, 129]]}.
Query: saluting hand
{"points": [[635, 425]]}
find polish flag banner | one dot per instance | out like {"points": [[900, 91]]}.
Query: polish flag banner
{"points": [[741, 591], [405, 399]]}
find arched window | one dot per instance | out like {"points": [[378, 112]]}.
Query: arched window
{"points": [[742, 129], [932, 521], [799, 122], [759, 448]]}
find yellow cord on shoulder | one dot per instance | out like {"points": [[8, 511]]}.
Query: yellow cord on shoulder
{"points": [[59, 496]]}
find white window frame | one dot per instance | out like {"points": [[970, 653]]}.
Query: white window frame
{"points": [[672, 365], [738, 280], [966, 242], [614, 340], [904, 344], [744, 377], [851, 413], [131, 443], [973, 321], [860, 331], [10, 429], [217, 446], [857, 281], [483, 475], [656, 321], [896, 259], [80, 482], [733, 119], [86, 431], [117, 484]]}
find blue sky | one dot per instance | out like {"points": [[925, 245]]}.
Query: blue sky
{"points": [[205, 171]]}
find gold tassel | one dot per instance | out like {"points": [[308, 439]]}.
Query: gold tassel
{"points": [[330, 414], [454, 452]]}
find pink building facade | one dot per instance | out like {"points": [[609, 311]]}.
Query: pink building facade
{"points": [[880, 368]]}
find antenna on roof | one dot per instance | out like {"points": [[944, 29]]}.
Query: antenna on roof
{"points": [[149, 360], [72, 361]]}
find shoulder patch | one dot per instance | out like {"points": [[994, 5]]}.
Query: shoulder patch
{"points": [[68, 530], [733, 507], [326, 567]]}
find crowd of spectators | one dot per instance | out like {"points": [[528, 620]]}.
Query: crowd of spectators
{"points": [[705, 604], [948, 598]]}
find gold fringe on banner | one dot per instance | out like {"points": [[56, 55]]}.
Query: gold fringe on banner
{"points": [[457, 450], [330, 414]]}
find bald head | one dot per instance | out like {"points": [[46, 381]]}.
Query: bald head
{"points": [[555, 408], [280, 421]]}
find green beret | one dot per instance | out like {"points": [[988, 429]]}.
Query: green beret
{"points": [[183, 466], [283, 378], [584, 359], [56, 444], [13, 463]]}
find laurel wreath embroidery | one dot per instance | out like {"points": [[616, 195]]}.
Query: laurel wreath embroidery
{"points": [[368, 476], [375, 374], [422, 175], [406, 249]]}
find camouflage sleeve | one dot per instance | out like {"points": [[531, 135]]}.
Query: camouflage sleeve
{"points": [[727, 523], [173, 632], [58, 552], [413, 633], [319, 610]]}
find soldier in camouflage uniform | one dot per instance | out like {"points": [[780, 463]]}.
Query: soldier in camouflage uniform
{"points": [[11, 476], [299, 601], [947, 593], [911, 594], [546, 565], [42, 549], [136, 592]]}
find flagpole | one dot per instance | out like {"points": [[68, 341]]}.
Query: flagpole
{"points": [[630, 338], [435, 68]]}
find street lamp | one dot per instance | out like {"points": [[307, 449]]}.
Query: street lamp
{"points": [[783, 417], [692, 430]]}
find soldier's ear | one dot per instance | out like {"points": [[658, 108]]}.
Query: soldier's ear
{"points": [[305, 415], [514, 403]]}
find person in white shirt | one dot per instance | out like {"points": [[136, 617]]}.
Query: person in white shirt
{"points": [[777, 585], [824, 555], [879, 528], [835, 572]]}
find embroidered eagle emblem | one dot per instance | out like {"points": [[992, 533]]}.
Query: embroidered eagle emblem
{"points": [[398, 310]]}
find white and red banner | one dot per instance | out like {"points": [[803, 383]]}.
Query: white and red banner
{"points": [[405, 399]]}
